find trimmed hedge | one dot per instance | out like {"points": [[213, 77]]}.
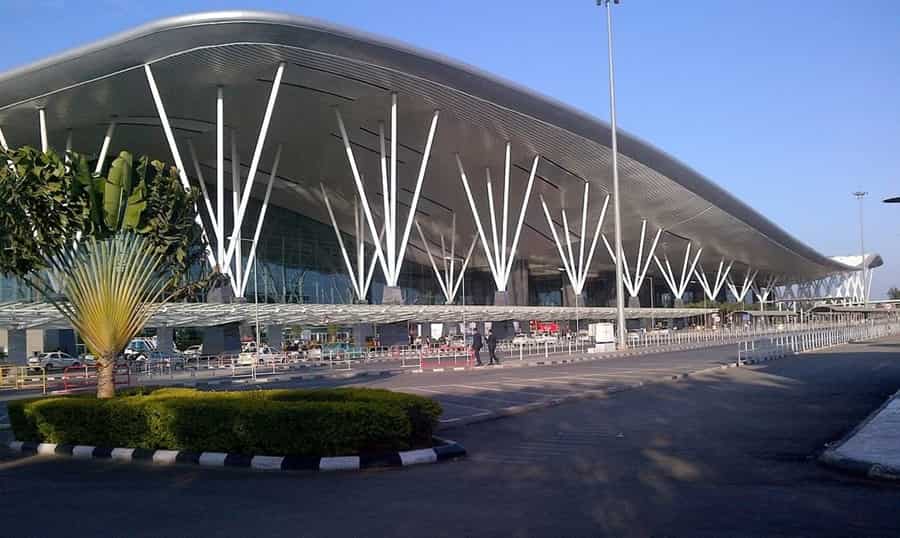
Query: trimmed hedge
{"points": [[325, 422]]}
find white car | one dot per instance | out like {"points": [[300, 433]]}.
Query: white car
{"points": [[266, 356], [522, 339], [194, 351], [545, 338], [52, 360]]}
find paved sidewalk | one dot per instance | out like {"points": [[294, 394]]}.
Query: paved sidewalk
{"points": [[873, 447]]}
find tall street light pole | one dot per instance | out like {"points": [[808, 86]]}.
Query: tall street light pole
{"points": [[620, 289], [862, 248]]}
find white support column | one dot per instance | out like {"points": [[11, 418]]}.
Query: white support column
{"points": [[200, 179], [173, 147], [447, 278], [762, 294], [360, 277], [104, 147], [260, 220], [712, 290], [577, 270], [500, 259], [220, 175], [641, 265], [740, 293], [42, 119], [391, 254], [679, 286], [238, 274], [254, 162], [3, 143]]}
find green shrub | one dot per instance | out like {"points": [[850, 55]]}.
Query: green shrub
{"points": [[283, 422]]}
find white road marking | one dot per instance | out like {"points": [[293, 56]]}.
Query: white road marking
{"points": [[481, 387], [466, 396]]}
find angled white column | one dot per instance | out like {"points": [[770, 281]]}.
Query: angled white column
{"points": [[238, 274], [641, 266], [740, 293], [762, 293], [104, 147], [42, 119], [391, 253], [254, 163], [577, 270], [360, 276], [260, 220], [679, 285], [500, 259], [712, 289], [448, 279], [176, 154], [3, 143], [202, 181]]}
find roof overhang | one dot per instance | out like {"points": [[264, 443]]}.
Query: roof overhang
{"points": [[84, 89], [23, 315]]}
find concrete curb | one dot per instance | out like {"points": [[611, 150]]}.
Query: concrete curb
{"points": [[588, 395], [445, 450], [832, 457]]}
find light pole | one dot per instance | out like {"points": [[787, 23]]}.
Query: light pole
{"points": [[862, 248], [620, 289]]}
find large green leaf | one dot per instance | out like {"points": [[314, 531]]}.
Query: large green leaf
{"points": [[116, 190]]}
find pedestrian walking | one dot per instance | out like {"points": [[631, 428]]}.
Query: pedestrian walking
{"points": [[492, 347], [476, 347]]}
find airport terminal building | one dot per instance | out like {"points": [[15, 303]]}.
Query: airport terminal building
{"points": [[344, 169]]}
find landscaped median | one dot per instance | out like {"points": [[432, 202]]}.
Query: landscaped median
{"points": [[306, 427]]}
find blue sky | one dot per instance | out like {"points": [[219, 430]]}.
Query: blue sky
{"points": [[790, 106]]}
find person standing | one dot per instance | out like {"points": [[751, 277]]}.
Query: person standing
{"points": [[476, 347], [492, 347]]}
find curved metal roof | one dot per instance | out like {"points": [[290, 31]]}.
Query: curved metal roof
{"points": [[327, 66]]}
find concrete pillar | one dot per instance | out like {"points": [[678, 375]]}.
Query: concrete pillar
{"points": [[165, 339], [222, 339], [361, 331], [17, 346], [60, 340], [634, 302], [394, 334], [392, 295], [275, 337], [501, 298]]}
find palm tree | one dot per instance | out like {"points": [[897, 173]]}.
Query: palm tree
{"points": [[118, 247]]}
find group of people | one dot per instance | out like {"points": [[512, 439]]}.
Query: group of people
{"points": [[478, 342]]}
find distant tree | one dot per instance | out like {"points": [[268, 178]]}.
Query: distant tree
{"points": [[105, 251], [894, 293]]}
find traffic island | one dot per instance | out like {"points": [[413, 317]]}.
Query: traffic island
{"points": [[321, 430], [872, 449], [442, 450]]}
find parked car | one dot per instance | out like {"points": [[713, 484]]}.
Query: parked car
{"points": [[266, 355], [545, 338], [139, 348], [52, 360], [522, 339], [153, 359], [193, 351]]}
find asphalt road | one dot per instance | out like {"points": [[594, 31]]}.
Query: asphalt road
{"points": [[729, 453], [480, 392]]}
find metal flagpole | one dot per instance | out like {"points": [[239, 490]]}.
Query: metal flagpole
{"points": [[620, 290]]}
